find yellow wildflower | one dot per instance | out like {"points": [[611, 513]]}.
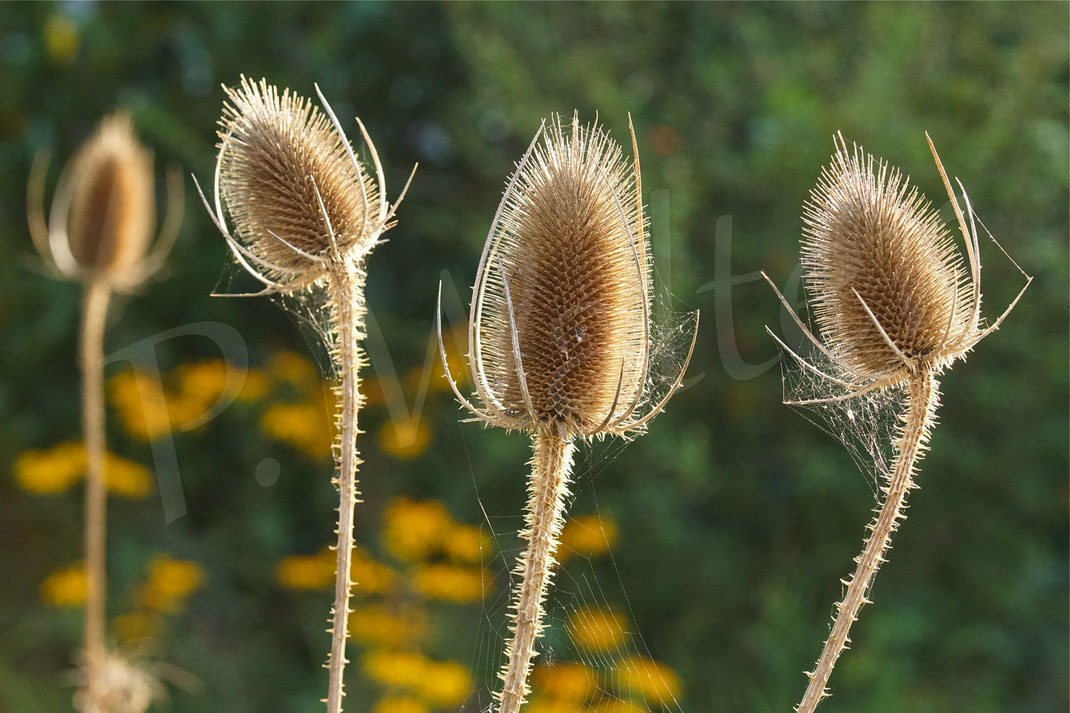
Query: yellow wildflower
{"points": [[396, 704], [386, 627], [51, 471], [465, 543], [125, 477], [61, 38], [568, 681], [66, 588], [447, 683], [587, 535], [413, 530], [141, 403], [170, 582], [305, 426], [58, 468], [371, 577], [135, 626], [451, 583], [305, 572], [294, 369], [655, 682], [405, 439], [596, 630], [396, 669]]}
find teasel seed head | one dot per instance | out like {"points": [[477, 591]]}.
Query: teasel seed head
{"points": [[559, 330], [104, 212], [291, 184], [891, 294]]}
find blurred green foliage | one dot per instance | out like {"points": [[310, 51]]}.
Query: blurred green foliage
{"points": [[740, 516]]}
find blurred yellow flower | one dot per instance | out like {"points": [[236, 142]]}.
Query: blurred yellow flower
{"points": [[588, 535], [60, 467], [414, 530], [305, 426], [451, 583], [447, 683], [317, 572], [51, 471], [396, 704], [125, 477], [292, 368], [597, 630], [405, 439], [169, 584], [465, 543], [567, 681], [441, 683], [390, 627], [305, 572], [396, 669], [61, 38], [141, 403], [66, 588], [136, 626], [204, 382], [371, 577], [655, 682]]}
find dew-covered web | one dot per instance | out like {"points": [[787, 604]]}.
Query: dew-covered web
{"points": [[866, 425], [592, 656]]}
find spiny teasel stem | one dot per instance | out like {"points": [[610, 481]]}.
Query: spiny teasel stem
{"points": [[347, 313], [94, 314], [917, 422], [551, 466]]}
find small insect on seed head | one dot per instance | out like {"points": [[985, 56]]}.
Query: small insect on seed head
{"points": [[290, 182], [560, 321], [104, 211], [891, 294]]}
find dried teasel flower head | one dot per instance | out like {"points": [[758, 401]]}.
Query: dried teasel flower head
{"points": [[559, 329], [297, 195], [104, 212], [891, 294]]}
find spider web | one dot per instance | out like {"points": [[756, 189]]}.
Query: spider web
{"points": [[592, 655], [866, 425], [590, 629]]}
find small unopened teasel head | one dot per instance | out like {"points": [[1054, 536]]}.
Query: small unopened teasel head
{"points": [[103, 215]]}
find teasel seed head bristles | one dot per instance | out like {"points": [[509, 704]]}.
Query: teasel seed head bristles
{"points": [[289, 180], [891, 295], [559, 329], [103, 215]]}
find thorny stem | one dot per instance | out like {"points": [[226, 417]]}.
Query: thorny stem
{"points": [[551, 466], [347, 307], [94, 312], [917, 422]]}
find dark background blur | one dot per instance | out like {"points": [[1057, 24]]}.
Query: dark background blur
{"points": [[736, 516]]}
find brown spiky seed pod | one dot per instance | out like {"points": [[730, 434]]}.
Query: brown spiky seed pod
{"points": [[560, 322], [112, 199], [291, 185], [884, 276]]}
